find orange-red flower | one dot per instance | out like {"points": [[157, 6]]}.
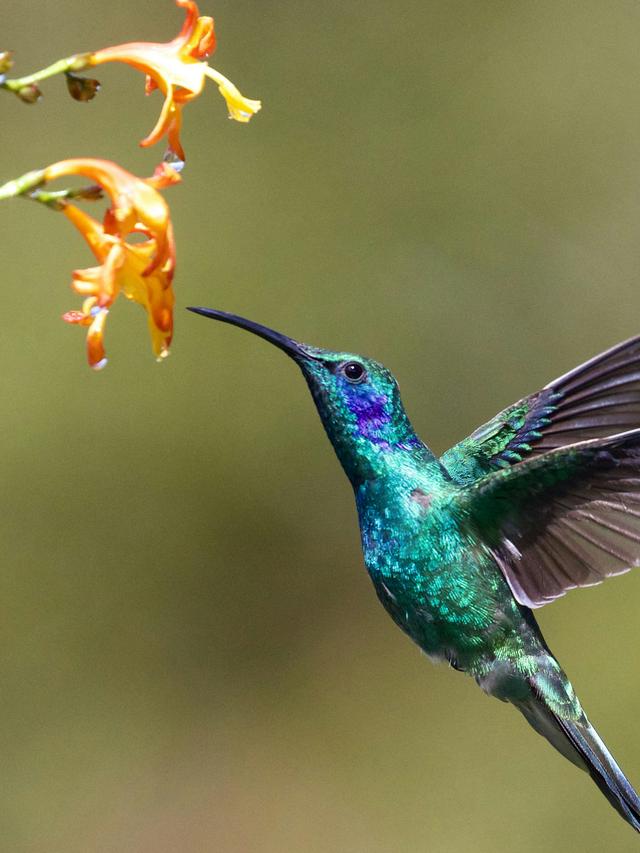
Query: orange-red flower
{"points": [[178, 69], [142, 271]]}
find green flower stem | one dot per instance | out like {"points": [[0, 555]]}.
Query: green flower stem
{"points": [[29, 185], [77, 62], [57, 198]]}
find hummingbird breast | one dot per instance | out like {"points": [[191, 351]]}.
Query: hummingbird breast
{"points": [[438, 584]]}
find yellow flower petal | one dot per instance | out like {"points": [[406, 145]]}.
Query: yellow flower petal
{"points": [[240, 108]]}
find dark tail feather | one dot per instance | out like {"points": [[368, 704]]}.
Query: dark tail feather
{"points": [[581, 744], [603, 769]]}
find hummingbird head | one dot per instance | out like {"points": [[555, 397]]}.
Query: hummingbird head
{"points": [[357, 399]]}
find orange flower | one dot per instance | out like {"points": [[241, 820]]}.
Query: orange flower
{"points": [[178, 69], [142, 271]]}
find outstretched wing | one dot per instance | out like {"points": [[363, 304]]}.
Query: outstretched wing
{"points": [[567, 519], [599, 398]]}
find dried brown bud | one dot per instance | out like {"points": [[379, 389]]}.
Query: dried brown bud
{"points": [[29, 94], [6, 61], [93, 192], [82, 88]]}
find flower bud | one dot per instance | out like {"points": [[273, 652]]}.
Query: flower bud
{"points": [[29, 94], [93, 192], [6, 61], [82, 88]]}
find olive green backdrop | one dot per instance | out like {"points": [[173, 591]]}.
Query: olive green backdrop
{"points": [[192, 657]]}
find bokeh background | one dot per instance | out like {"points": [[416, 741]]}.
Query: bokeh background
{"points": [[192, 657]]}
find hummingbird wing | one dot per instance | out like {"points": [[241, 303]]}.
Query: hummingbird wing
{"points": [[596, 399], [566, 519]]}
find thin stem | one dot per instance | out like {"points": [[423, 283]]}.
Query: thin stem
{"points": [[29, 186], [77, 62], [56, 199]]}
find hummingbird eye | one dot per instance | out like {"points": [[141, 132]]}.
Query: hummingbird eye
{"points": [[354, 371]]}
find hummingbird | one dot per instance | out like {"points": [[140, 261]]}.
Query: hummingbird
{"points": [[461, 549]]}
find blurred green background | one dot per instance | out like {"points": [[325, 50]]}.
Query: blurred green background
{"points": [[192, 657]]}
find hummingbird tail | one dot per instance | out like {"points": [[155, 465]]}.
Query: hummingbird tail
{"points": [[578, 741]]}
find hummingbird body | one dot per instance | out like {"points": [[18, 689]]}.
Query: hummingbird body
{"points": [[541, 499], [433, 579], [438, 582]]}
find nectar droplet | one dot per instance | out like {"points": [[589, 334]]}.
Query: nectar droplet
{"points": [[173, 160]]}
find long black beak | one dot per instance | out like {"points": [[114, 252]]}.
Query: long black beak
{"points": [[291, 347]]}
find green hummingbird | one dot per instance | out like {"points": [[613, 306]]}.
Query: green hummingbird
{"points": [[543, 498]]}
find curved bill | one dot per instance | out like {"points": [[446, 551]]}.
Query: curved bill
{"points": [[291, 347]]}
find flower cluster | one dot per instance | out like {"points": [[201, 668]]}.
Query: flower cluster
{"points": [[141, 269], [178, 69]]}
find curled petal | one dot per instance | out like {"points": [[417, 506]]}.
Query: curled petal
{"points": [[90, 229], [150, 84], [123, 212], [160, 321], [95, 340], [169, 266], [173, 133], [165, 120], [164, 175], [87, 282], [240, 108], [153, 291], [108, 279], [190, 21], [78, 318], [202, 41]]}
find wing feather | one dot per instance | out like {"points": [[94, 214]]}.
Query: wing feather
{"points": [[567, 519], [596, 399]]}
